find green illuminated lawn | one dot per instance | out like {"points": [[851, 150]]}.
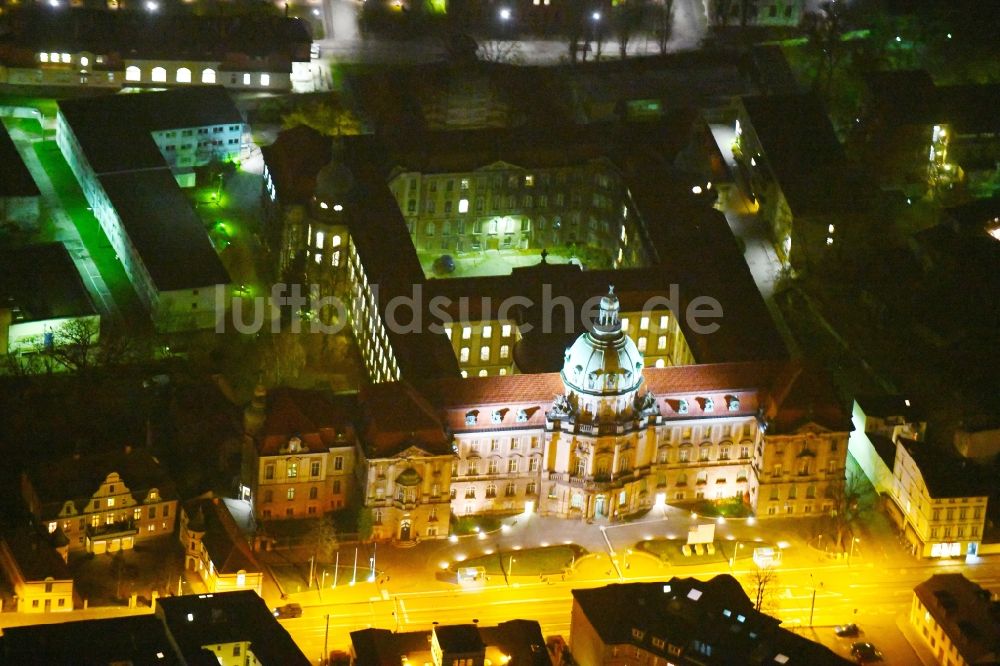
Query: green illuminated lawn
{"points": [[94, 239]]}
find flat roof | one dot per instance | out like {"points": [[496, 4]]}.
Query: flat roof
{"points": [[43, 283], [15, 179], [164, 229], [139, 639]]}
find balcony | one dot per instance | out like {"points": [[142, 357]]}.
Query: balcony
{"points": [[406, 505], [117, 529]]}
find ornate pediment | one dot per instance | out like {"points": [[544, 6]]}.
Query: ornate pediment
{"points": [[412, 452]]}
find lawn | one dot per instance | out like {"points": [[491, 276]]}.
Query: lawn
{"points": [[94, 239], [527, 562]]}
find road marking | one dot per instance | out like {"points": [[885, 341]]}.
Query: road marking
{"points": [[402, 608]]}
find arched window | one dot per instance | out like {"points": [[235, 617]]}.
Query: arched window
{"points": [[335, 242], [159, 74], [133, 73], [183, 75], [208, 75], [660, 363]]}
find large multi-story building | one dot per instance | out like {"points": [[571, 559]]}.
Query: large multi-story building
{"points": [[938, 500], [958, 619], [683, 621], [129, 152], [603, 438], [105, 502], [298, 453], [116, 49]]}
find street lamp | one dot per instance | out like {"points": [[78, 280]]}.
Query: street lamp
{"points": [[732, 562], [854, 541], [504, 14]]}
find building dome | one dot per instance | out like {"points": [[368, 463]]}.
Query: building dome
{"points": [[603, 361]]}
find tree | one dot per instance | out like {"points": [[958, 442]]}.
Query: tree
{"points": [[824, 33], [330, 117], [628, 18], [323, 538], [846, 498], [74, 344], [663, 28], [762, 582], [366, 522]]}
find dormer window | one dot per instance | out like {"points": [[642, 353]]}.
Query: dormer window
{"points": [[497, 416], [522, 415], [682, 406], [154, 495], [470, 418], [734, 404], [709, 405]]}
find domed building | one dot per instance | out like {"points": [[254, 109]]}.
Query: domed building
{"points": [[600, 423]]}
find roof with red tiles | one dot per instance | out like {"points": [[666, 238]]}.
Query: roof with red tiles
{"points": [[396, 418], [319, 419]]}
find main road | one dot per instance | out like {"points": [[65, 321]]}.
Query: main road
{"points": [[870, 595]]}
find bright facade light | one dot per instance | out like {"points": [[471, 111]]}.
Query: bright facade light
{"points": [[504, 14], [84, 61], [596, 16], [338, 207], [322, 204], [152, 6], [696, 189]]}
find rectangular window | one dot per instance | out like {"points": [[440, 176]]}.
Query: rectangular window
{"points": [[152, 512], [314, 468], [338, 463], [512, 466]]}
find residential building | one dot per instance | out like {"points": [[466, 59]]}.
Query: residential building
{"points": [[129, 152], [938, 500], [958, 619], [89, 48], [215, 548], [517, 642], [879, 422], [299, 453], [19, 195], [794, 169], [227, 628], [683, 621], [35, 566], [40, 294], [927, 139], [102, 502], [235, 628]]}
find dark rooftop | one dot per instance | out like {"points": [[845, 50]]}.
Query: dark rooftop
{"points": [[43, 283], [226, 547], [683, 611], [945, 473], [165, 230], [889, 405], [35, 555], [15, 179], [397, 417], [459, 638], [196, 621], [137, 34], [320, 420], [803, 152], [141, 640], [78, 479], [966, 613]]}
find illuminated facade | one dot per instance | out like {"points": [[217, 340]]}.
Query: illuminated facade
{"points": [[135, 500], [35, 567], [215, 550], [938, 501], [502, 206], [130, 179], [298, 455]]}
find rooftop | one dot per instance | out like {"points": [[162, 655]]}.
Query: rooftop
{"points": [[196, 621], [226, 546], [889, 405], [138, 639], [320, 420], [945, 473], [35, 556], [77, 478], [966, 613], [15, 179], [685, 613], [43, 283]]}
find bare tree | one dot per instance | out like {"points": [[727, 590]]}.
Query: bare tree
{"points": [[663, 27], [846, 498], [74, 344], [323, 538], [762, 582], [628, 17]]}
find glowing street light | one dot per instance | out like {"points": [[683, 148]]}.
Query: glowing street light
{"points": [[152, 6], [505, 14], [596, 16]]}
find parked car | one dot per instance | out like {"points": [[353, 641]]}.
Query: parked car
{"points": [[288, 611], [846, 630], [865, 653]]}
